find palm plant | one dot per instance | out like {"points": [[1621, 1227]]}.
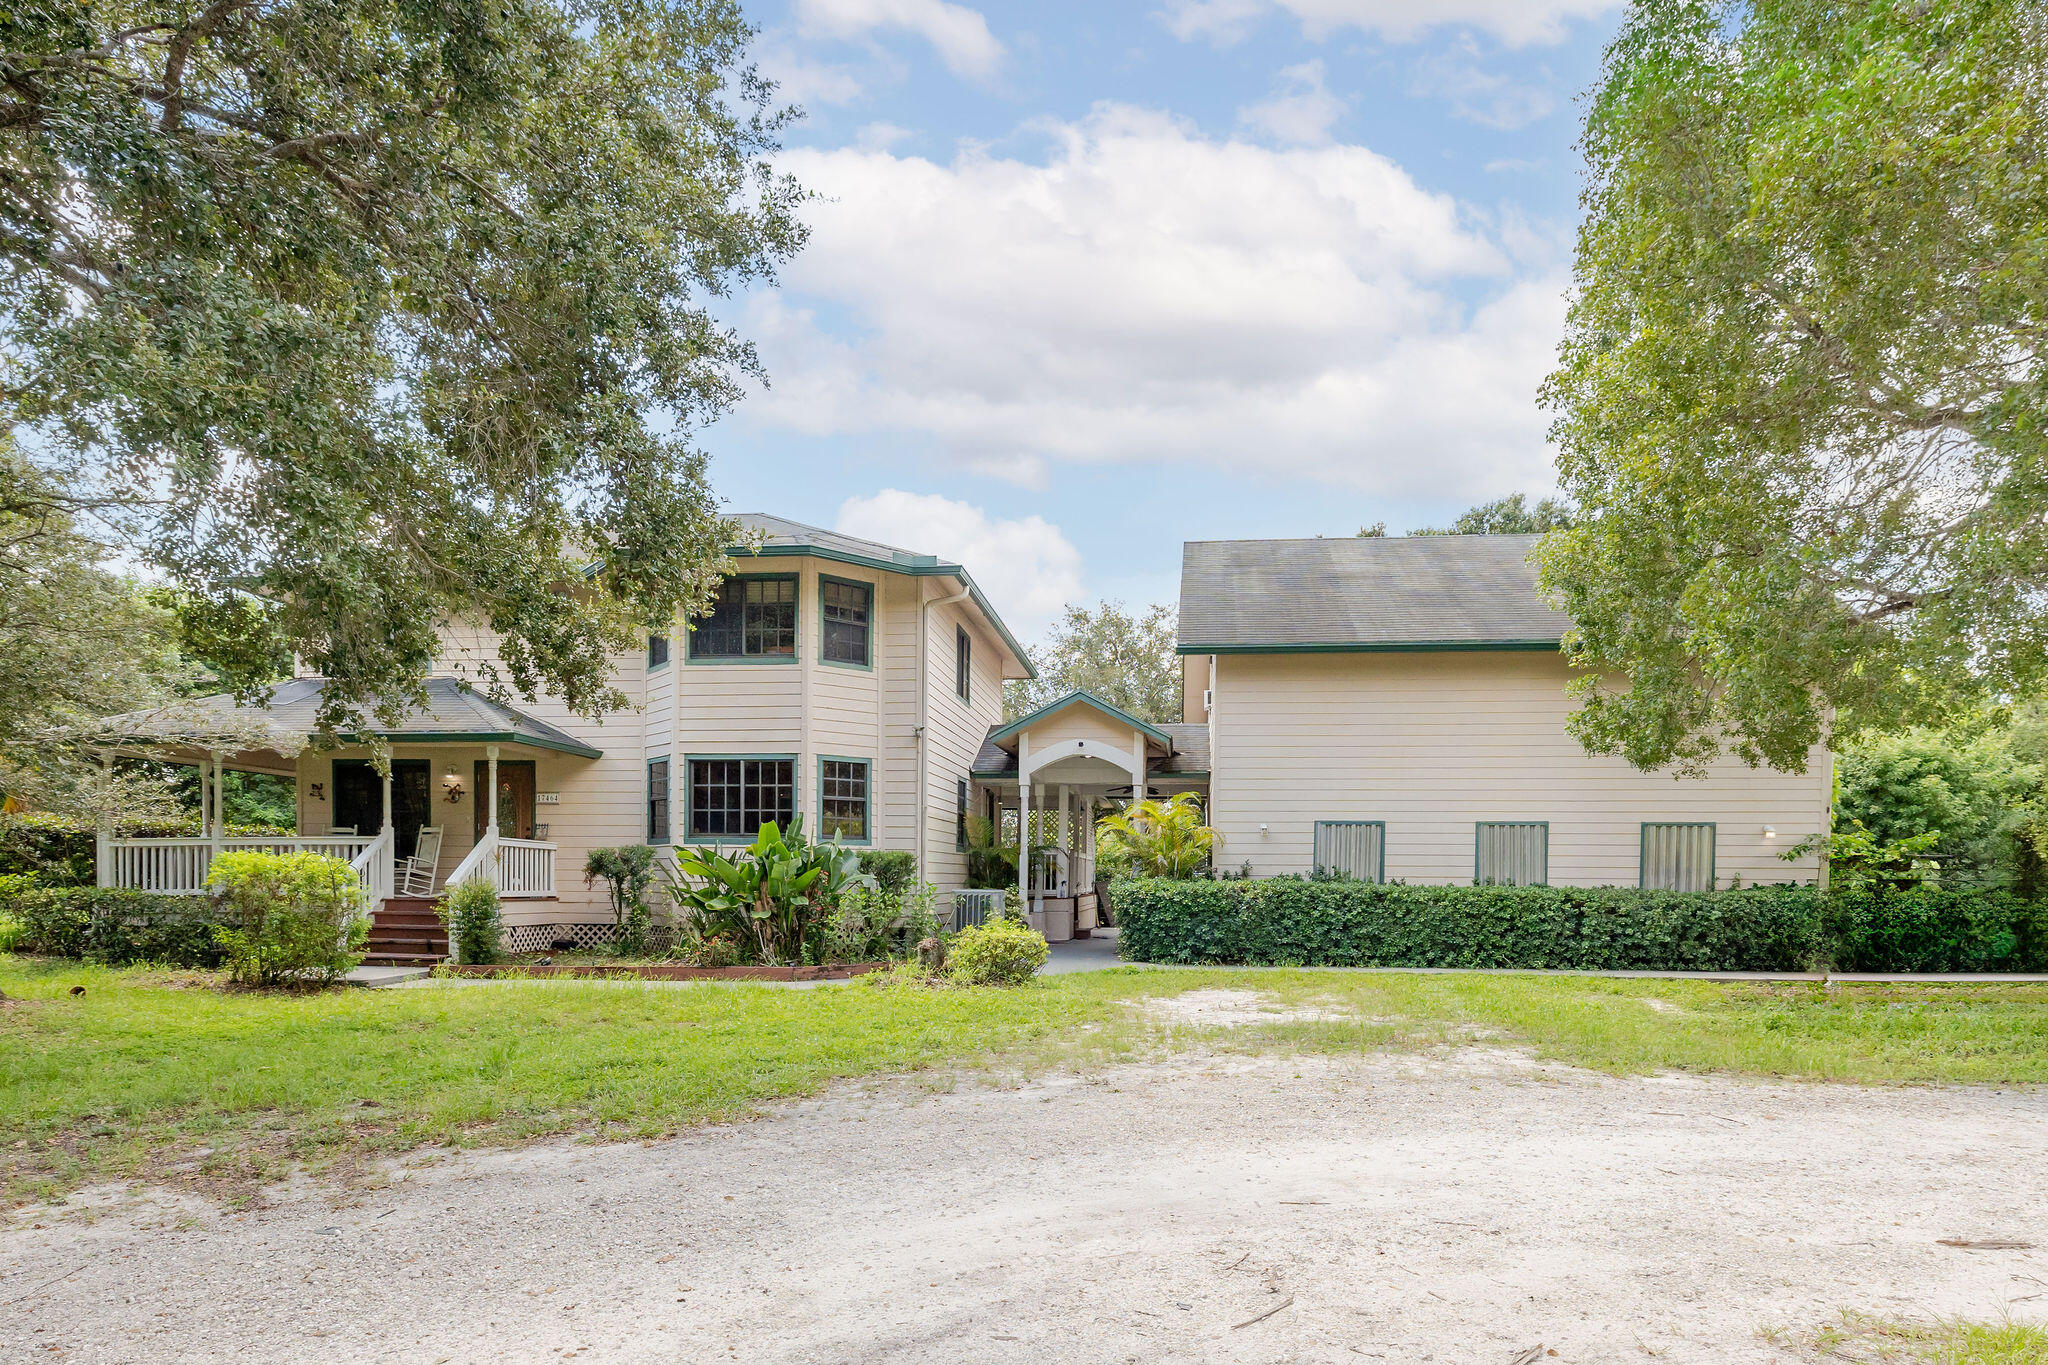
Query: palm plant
{"points": [[773, 893], [1156, 838]]}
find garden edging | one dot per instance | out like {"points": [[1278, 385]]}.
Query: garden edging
{"points": [[666, 971]]}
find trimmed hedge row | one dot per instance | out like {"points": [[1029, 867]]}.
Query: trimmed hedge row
{"points": [[118, 927], [1767, 928]]}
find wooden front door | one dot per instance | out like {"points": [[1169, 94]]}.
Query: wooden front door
{"points": [[516, 788]]}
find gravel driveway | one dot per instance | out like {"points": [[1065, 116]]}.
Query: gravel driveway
{"points": [[1461, 1208]]}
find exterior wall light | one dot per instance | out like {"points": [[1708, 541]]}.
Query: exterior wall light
{"points": [[453, 782], [1770, 831]]}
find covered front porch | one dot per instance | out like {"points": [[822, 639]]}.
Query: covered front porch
{"points": [[1045, 779], [458, 794]]}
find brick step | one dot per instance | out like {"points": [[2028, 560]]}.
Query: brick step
{"points": [[406, 917], [426, 942]]}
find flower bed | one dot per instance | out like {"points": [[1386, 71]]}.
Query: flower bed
{"points": [[666, 971]]}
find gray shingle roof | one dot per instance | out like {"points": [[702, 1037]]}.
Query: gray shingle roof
{"points": [[1412, 592], [454, 711], [1190, 752]]}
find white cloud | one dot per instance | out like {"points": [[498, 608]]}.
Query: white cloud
{"points": [[1479, 96], [1515, 22], [1148, 295], [1300, 110], [879, 136], [799, 80], [959, 35], [1025, 563]]}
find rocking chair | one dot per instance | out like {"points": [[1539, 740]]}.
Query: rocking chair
{"points": [[415, 875]]}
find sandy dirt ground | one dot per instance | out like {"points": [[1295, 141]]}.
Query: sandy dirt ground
{"points": [[1460, 1207]]}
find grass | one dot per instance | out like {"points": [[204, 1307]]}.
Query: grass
{"points": [[168, 1074], [1866, 1339]]}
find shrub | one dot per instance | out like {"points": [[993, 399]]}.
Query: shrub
{"points": [[1771, 928], [873, 926], [775, 898], [112, 925], [299, 916], [475, 920], [1156, 838], [893, 869], [1001, 952], [627, 872]]}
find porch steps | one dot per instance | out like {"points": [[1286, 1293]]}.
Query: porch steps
{"points": [[405, 932]]}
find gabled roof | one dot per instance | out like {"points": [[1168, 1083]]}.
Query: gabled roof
{"points": [[455, 712], [781, 536], [1363, 593], [1081, 697], [1187, 756]]}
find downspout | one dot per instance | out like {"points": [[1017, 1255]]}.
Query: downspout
{"points": [[924, 668]]}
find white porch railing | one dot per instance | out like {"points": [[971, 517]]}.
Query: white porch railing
{"points": [[178, 867], [375, 869], [517, 867]]}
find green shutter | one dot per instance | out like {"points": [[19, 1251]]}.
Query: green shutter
{"points": [[1354, 848], [1678, 857], [1511, 853]]}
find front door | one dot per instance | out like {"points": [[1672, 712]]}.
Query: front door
{"points": [[359, 798], [516, 788]]}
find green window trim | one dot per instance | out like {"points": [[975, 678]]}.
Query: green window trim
{"points": [[867, 663], [1315, 833], [661, 825], [1713, 829], [867, 766], [743, 659], [963, 665], [1480, 825], [690, 762]]}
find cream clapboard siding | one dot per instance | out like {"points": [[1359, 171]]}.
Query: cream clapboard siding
{"points": [[1432, 743], [1194, 680], [1081, 721], [954, 730]]}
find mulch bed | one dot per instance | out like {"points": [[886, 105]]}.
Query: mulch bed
{"points": [[672, 971]]}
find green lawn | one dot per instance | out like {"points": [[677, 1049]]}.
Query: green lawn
{"points": [[1859, 1338], [166, 1073]]}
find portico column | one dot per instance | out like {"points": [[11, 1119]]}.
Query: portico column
{"points": [[1067, 833], [1023, 846], [213, 825], [387, 797], [491, 825]]}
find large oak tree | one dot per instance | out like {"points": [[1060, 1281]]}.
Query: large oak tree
{"points": [[382, 313], [1802, 404]]}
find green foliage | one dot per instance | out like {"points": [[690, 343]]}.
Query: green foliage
{"points": [[299, 917], [1859, 861], [1001, 952], [874, 926], [774, 898], [430, 285], [1801, 398], [990, 865], [894, 870], [1508, 516], [1156, 838], [1127, 660], [113, 926], [1771, 928], [475, 921], [627, 873]]}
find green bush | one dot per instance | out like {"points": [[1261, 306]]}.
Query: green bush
{"points": [[111, 925], [475, 920], [892, 868], [1771, 928], [1001, 952], [299, 916], [627, 873]]}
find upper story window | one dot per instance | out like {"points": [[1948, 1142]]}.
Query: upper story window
{"points": [[657, 650], [963, 663], [751, 618], [848, 611]]}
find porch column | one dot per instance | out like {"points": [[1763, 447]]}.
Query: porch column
{"points": [[1023, 847], [1137, 768], [491, 824], [103, 832], [387, 798], [214, 830], [1067, 845]]}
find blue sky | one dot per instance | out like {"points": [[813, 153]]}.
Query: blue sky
{"points": [[1089, 280]]}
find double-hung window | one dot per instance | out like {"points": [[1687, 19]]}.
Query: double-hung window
{"points": [[1511, 853], [848, 610], [657, 651], [657, 801], [1678, 857], [843, 799], [751, 618], [963, 664], [731, 798]]}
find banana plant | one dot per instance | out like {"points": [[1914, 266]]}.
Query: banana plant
{"points": [[771, 893]]}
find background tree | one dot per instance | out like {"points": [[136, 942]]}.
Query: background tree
{"points": [[1802, 404], [387, 312], [1127, 660], [1508, 516]]}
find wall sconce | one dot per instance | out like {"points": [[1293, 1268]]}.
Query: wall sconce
{"points": [[453, 782], [318, 791], [1770, 831]]}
